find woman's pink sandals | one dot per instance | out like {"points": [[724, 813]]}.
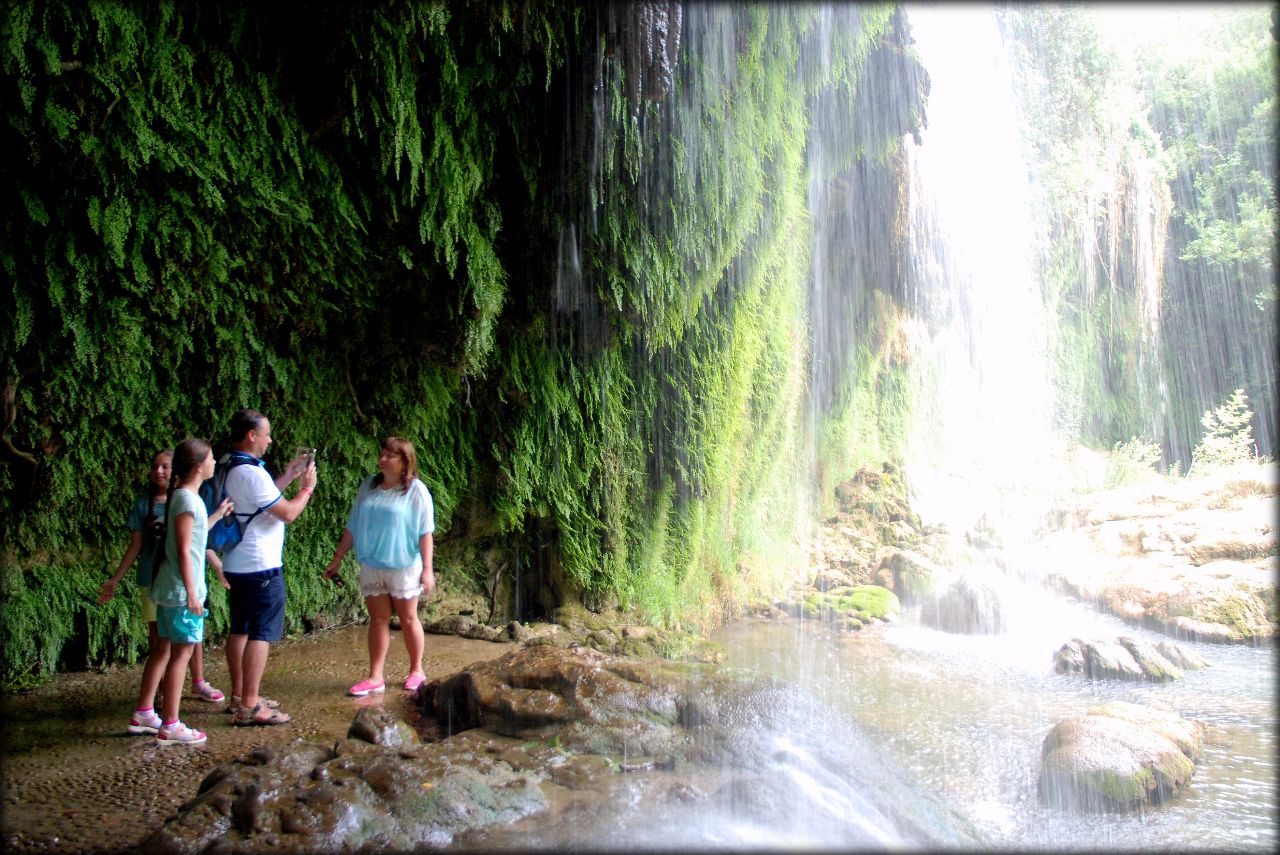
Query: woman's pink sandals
{"points": [[367, 687], [414, 682]]}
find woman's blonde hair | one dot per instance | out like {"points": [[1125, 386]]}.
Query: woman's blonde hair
{"points": [[404, 448]]}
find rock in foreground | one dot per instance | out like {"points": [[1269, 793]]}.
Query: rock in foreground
{"points": [[655, 754], [1118, 757]]}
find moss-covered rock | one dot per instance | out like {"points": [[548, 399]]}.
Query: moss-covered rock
{"points": [[848, 607], [1118, 757]]}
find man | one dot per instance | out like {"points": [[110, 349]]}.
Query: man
{"points": [[254, 568]]}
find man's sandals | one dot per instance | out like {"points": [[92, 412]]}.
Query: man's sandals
{"points": [[245, 717]]}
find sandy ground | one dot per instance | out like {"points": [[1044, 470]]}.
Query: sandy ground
{"points": [[75, 780]]}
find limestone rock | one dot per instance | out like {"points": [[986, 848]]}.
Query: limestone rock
{"points": [[1185, 659], [379, 727], [1118, 757], [909, 575], [968, 606], [1191, 557], [352, 796], [1124, 659]]}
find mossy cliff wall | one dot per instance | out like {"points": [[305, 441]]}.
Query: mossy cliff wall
{"points": [[564, 248]]}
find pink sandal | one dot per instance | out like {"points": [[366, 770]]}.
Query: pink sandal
{"points": [[414, 682], [206, 692], [179, 734], [367, 687]]}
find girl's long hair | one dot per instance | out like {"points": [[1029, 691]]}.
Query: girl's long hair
{"points": [[189, 454], [404, 448]]}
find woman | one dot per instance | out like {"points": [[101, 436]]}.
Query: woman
{"points": [[390, 527]]}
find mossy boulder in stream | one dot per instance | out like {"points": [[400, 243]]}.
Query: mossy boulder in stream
{"points": [[1125, 659], [848, 607], [1118, 757]]}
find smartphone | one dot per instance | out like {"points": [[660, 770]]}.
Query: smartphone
{"points": [[304, 451]]}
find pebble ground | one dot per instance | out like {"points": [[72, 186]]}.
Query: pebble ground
{"points": [[73, 780]]}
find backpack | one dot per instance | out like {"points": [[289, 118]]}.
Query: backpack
{"points": [[226, 533], [153, 535]]}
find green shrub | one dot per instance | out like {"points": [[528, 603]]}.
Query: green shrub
{"points": [[1228, 435], [1131, 461]]}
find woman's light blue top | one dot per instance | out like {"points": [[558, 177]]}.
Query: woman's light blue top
{"points": [[168, 589], [386, 525]]}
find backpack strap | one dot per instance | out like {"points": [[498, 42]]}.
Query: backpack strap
{"points": [[243, 458]]}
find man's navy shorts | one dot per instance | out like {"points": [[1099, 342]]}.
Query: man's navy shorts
{"points": [[257, 604]]}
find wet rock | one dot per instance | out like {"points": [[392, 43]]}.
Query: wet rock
{"points": [[1192, 557], [379, 727], [546, 633], [1180, 656], [908, 574], [591, 700], [968, 606], [465, 626], [1122, 659], [646, 35], [1118, 757], [353, 796], [448, 625]]}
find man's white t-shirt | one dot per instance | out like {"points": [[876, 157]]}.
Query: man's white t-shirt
{"points": [[262, 547]]}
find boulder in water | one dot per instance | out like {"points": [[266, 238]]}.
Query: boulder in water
{"points": [[1118, 757], [968, 606], [1185, 659], [1124, 659]]}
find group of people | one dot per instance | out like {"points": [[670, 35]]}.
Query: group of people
{"points": [[390, 528]]}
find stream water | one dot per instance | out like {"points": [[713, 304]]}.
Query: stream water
{"points": [[967, 715]]}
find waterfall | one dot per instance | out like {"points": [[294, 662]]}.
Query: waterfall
{"points": [[976, 244]]}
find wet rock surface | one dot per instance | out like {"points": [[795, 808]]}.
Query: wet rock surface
{"points": [[1195, 558], [74, 780], [306, 797], [873, 542], [1118, 757], [968, 606], [1125, 659], [553, 736]]}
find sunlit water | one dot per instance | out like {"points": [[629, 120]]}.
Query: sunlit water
{"points": [[967, 715]]}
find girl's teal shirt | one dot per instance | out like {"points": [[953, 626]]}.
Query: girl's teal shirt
{"points": [[168, 589]]}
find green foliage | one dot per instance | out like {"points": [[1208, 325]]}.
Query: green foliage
{"points": [[1130, 462], [224, 206], [1228, 435], [1158, 166], [1223, 145], [342, 216]]}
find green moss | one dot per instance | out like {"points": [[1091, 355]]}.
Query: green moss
{"points": [[1121, 790], [874, 601]]}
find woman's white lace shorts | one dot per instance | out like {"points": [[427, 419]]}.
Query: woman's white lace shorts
{"points": [[402, 584]]}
